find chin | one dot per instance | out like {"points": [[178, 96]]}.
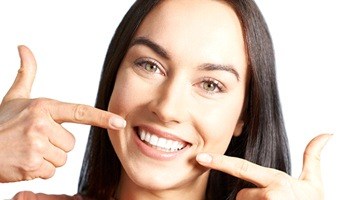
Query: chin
{"points": [[162, 180]]}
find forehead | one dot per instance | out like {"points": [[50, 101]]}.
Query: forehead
{"points": [[209, 28]]}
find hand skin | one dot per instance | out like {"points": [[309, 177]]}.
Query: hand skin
{"points": [[32, 141], [26, 195], [272, 183]]}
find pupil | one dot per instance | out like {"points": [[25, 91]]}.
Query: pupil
{"points": [[209, 86], [150, 67]]}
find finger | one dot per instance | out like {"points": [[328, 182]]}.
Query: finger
{"points": [[240, 168], [56, 156], [23, 83], [46, 170], [25, 195], [84, 114], [41, 196], [61, 138], [249, 193], [312, 155], [260, 193]]}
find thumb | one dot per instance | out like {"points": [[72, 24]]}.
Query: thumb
{"points": [[25, 77], [312, 158]]}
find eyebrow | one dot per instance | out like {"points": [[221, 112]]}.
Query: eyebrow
{"points": [[163, 53], [152, 45], [214, 67]]}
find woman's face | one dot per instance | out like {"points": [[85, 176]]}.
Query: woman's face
{"points": [[181, 89]]}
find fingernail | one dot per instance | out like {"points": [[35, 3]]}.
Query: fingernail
{"points": [[204, 158], [19, 47], [117, 122]]}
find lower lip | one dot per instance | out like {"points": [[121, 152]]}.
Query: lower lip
{"points": [[155, 153]]}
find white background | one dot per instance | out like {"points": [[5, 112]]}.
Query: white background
{"points": [[70, 38]]}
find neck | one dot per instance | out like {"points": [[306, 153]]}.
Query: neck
{"points": [[194, 190]]}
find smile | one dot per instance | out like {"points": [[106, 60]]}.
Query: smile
{"points": [[159, 143]]}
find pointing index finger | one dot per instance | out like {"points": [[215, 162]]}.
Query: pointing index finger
{"points": [[240, 168], [84, 114]]}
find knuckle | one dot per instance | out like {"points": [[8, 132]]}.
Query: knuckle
{"points": [[34, 145], [38, 104], [31, 163], [243, 168], [36, 121], [37, 125], [80, 112]]}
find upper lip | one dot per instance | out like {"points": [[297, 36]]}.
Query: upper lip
{"points": [[163, 134]]}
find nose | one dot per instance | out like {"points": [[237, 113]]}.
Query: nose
{"points": [[170, 103]]}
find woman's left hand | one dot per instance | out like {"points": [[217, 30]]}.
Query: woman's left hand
{"points": [[272, 183]]}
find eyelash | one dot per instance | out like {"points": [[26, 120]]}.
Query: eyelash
{"points": [[141, 62], [218, 86]]}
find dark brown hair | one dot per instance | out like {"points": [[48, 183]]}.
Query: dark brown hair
{"points": [[263, 140]]}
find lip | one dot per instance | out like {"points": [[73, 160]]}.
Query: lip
{"points": [[163, 134], [155, 153]]}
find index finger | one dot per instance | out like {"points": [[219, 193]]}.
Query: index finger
{"points": [[240, 168], [84, 114]]}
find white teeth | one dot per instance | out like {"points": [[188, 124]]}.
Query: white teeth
{"points": [[154, 140], [160, 143], [147, 137], [174, 145], [143, 135], [168, 143]]}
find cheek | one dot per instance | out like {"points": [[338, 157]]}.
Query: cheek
{"points": [[218, 126], [118, 103], [124, 96], [124, 101]]}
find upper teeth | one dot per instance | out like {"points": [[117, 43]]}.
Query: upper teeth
{"points": [[159, 142]]}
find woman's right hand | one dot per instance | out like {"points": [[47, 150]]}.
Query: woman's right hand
{"points": [[32, 141]]}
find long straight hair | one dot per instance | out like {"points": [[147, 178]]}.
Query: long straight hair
{"points": [[263, 139]]}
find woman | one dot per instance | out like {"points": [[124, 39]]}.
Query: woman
{"points": [[216, 95], [273, 145]]}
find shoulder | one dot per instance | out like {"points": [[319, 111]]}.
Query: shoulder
{"points": [[26, 195]]}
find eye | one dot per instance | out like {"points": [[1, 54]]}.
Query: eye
{"points": [[149, 65], [211, 85]]}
